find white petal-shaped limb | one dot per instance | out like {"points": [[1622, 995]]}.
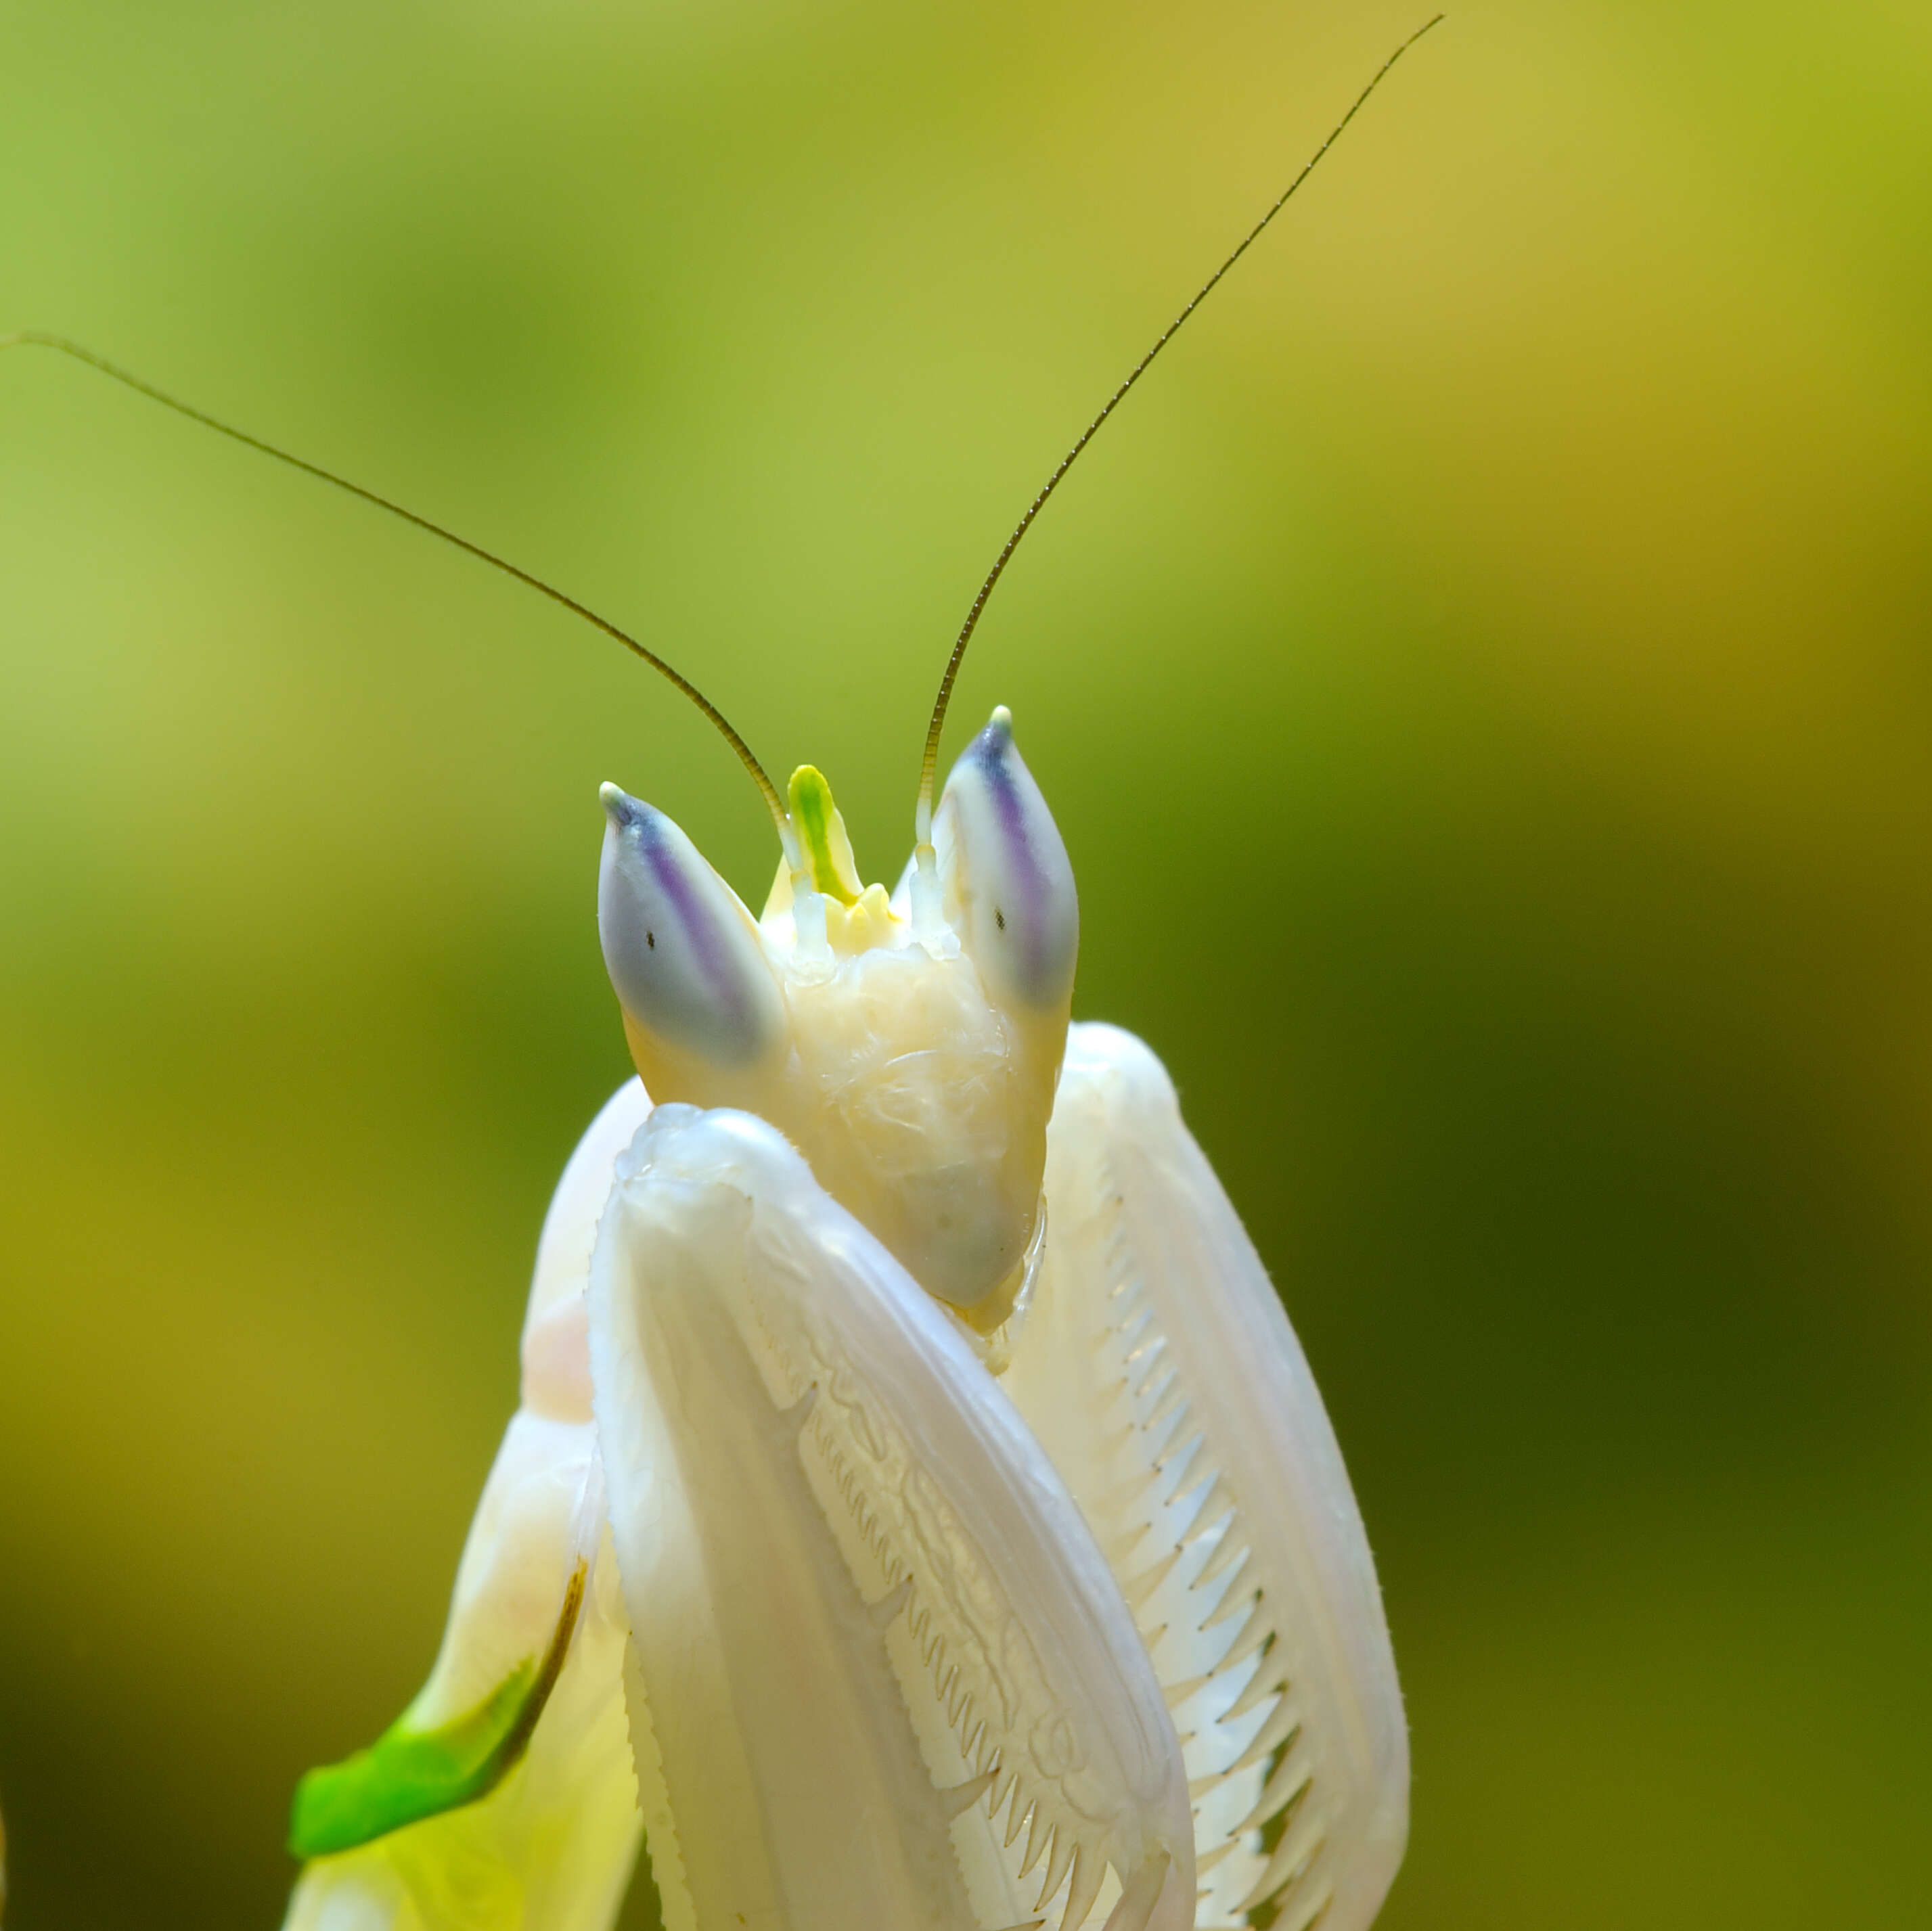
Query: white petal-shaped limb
{"points": [[551, 1846], [1159, 1370], [884, 1677]]}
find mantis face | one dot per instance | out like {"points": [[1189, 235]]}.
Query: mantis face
{"points": [[909, 1052]]}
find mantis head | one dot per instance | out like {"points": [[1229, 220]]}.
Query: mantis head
{"points": [[908, 1046]]}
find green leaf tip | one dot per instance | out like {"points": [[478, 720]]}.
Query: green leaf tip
{"points": [[408, 1774]]}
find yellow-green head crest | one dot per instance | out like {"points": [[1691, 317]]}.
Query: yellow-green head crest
{"points": [[823, 842]]}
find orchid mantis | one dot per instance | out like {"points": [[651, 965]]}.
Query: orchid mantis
{"points": [[919, 1515]]}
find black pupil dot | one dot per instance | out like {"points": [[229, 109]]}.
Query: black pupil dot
{"points": [[999, 918], [651, 939]]}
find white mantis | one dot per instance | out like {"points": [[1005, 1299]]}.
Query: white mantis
{"points": [[919, 1515]]}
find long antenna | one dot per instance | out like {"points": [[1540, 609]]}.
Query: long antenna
{"points": [[929, 763], [33, 339]]}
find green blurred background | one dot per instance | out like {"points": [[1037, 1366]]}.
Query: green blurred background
{"points": [[1510, 596]]}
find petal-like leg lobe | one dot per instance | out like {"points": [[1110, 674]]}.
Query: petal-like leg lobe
{"points": [[551, 1848], [1160, 1373], [857, 1585]]}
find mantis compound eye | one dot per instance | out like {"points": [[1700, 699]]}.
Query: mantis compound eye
{"points": [[1009, 884], [684, 958]]}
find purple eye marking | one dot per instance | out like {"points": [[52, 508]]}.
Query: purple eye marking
{"points": [[993, 750], [698, 920], [1024, 909], [681, 956]]}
